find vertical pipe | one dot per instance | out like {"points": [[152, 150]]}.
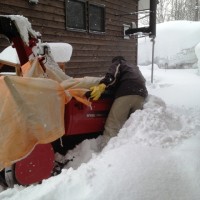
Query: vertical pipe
{"points": [[152, 67], [197, 10], [153, 5]]}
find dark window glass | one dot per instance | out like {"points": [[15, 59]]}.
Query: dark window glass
{"points": [[76, 14], [96, 18]]}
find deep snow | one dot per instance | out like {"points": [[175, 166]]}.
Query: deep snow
{"points": [[156, 155]]}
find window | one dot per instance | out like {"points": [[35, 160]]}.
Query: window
{"points": [[96, 18], [82, 16], [76, 15]]}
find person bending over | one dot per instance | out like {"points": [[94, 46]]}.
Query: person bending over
{"points": [[130, 92]]}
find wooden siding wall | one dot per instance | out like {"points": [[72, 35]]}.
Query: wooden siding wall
{"points": [[92, 53]]}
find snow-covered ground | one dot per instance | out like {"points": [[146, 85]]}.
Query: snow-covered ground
{"points": [[155, 156]]}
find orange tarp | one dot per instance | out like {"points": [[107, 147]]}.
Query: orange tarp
{"points": [[32, 108], [31, 112], [73, 87]]}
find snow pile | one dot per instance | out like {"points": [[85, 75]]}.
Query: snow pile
{"points": [[158, 125], [155, 155], [174, 45], [61, 52]]}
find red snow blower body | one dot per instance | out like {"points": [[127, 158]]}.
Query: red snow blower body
{"points": [[81, 122]]}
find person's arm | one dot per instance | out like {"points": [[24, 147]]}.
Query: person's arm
{"points": [[111, 76], [109, 80]]}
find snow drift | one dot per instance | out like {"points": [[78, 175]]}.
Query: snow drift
{"points": [[174, 45]]}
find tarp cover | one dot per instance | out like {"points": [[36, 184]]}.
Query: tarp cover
{"points": [[32, 108], [31, 112], [74, 87]]}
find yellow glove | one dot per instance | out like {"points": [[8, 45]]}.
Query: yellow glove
{"points": [[97, 90]]}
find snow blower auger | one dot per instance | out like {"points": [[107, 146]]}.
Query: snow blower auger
{"points": [[37, 119]]}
